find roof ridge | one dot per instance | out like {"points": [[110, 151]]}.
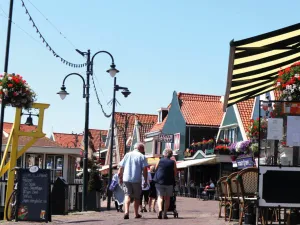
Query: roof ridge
{"points": [[180, 93], [136, 113]]}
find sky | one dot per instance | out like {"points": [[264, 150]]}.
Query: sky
{"points": [[159, 47]]}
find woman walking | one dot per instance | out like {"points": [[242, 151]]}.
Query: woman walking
{"points": [[164, 178], [152, 191], [119, 194]]}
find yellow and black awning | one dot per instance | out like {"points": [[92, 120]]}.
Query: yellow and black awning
{"points": [[254, 62]]}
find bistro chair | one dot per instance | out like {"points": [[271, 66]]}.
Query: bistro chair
{"points": [[233, 193], [222, 191], [247, 182]]}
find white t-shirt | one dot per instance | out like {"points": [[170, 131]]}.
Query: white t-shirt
{"points": [[148, 182]]}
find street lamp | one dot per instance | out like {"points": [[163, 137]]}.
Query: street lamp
{"points": [[125, 92], [86, 94]]}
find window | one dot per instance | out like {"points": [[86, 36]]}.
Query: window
{"points": [[55, 163], [34, 160], [230, 134], [149, 147]]}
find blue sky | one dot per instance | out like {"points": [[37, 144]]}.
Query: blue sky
{"points": [[158, 46]]}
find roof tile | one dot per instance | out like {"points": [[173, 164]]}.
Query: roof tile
{"points": [[204, 110], [146, 120], [245, 109]]}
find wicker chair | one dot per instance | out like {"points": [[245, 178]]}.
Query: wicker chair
{"points": [[222, 192], [233, 193], [247, 180]]}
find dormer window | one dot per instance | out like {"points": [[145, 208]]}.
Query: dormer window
{"points": [[162, 113]]}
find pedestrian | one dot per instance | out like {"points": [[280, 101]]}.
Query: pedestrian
{"points": [[152, 190], [145, 193], [132, 166], [118, 194], [164, 178]]}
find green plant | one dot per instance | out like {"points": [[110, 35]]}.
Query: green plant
{"points": [[95, 183]]}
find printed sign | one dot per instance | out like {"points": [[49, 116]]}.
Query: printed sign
{"points": [[167, 138], [244, 162], [176, 141], [168, 145], [33, 197]]}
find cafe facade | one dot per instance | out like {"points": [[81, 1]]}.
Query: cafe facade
{"points": [[189, 119], [45, 154]]}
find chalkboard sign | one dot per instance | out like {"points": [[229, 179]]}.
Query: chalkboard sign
{"points": [[279, 186], [33, 195]]}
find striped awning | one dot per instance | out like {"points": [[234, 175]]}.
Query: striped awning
{"points": [[254, 63]]}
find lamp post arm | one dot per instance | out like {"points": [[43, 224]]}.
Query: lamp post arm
{"points": [[77, 74], [112, 58], [117, 88]]}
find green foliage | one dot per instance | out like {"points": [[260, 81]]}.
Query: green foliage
{"points": [[95, 183]]}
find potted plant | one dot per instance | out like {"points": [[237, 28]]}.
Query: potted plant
{"points": [[210, 143], [253, 129], [15, 91], [254, 149]]}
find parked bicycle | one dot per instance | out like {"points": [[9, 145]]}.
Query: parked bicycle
{"points": [[12, 201]]}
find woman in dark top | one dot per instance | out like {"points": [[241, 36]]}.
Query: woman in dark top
{"points": [[152, 193], [164, 178]]}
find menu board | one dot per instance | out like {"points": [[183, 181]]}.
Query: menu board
{"points": [[34, 195]]}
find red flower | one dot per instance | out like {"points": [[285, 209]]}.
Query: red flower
{"points": [[10, 85], [15, 93], [287, 70]]}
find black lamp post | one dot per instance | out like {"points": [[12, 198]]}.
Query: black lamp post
{"points": [[125, 92], [86, 94]]}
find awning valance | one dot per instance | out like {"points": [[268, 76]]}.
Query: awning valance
{"points": [[254, 62], [195, 162]]}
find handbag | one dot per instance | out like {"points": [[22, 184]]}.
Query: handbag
{"points": [[113, 185]]}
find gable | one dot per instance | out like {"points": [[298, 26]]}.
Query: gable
{"points": [[230, 117]]}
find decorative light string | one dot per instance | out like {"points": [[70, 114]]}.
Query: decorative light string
{"points": [[47, 44], [104, 113]]}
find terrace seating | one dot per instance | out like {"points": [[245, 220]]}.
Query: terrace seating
{"points": [[233, 194], [222, 192], [247, 184]]}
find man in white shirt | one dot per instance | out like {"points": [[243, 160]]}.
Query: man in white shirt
{"points": [[145, 192]]}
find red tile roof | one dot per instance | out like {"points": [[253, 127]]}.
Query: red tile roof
{"points": [[146, 120], [203, 110], [75, 140], [41, 142], [245, 109], [159, 126]]}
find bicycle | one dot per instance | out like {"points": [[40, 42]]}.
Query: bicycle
{"points": [[12, 201]]}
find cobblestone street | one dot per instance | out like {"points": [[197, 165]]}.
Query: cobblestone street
{"points": [[191, 211]]}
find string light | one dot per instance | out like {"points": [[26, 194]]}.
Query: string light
{"points": [[47, 44]]}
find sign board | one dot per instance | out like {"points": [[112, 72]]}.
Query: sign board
{"points": [[209, 151], [244, 162], [279, 186], [34, 195], [166, 138], [176, 141]]}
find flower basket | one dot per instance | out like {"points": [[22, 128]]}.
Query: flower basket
{"points": [[253, 129], [15, 91], [288, 83]]}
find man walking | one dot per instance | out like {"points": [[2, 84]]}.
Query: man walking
{"points": [[132, 166]]}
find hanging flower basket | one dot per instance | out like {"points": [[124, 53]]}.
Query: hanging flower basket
{"points": [[16, 91], [288, 82]]}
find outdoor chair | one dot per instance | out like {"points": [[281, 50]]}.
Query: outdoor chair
{"points": [[233, 194], [247, 181], [222, 192]]}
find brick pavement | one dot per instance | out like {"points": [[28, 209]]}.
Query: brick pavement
{"points": [[191, 211]]}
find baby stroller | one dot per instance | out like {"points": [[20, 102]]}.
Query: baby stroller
{"points": [[172, 208]]}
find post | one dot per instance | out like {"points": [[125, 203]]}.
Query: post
{"points": [[109, 193], [6, 68], [86, 134], [125, 135], [100, 141]]}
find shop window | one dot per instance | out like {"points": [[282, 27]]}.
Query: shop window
{"points": [[34, 160], [55, 163], [149, 147]]}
